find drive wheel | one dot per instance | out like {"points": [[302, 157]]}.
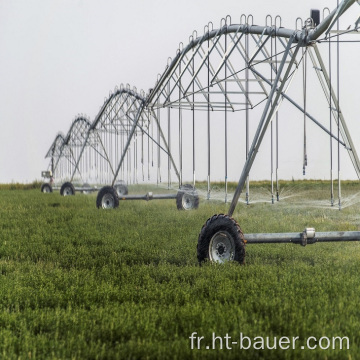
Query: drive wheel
{"points": [[221, 240], [121, 189], [107, 198], [67, 189], [46, 188], [187, 198]]}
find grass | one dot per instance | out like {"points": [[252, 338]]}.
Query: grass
{"points": [[81, 283]]}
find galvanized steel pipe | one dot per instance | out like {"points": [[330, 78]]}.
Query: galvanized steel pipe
{"points": [[302, 238]]}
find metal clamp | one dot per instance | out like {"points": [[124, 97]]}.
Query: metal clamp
{"points": [[308, 233]]}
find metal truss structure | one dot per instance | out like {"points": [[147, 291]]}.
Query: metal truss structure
{"points": [[216, 81], [92, 150], [108, 134], [64, 151]]}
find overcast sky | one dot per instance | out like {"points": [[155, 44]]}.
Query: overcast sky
{"points": [[60, 58]]}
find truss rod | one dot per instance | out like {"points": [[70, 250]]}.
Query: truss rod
{"points": [[302, 110], [128, 143], [106, 154], [161, 134], [264, 122], [339, 118]]}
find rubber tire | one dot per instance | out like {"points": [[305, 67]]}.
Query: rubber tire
{"points": [[64, 186], [214, 225], [121, 189], [46, 186], [186, 189], [104, 191]]}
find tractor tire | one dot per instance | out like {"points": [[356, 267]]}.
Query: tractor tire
{"points": [[187, 198], [221, 240], [107, 198], [121, 189], [67, 189], [46, 188]]}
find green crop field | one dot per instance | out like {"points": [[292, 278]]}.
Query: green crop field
{"points": [[81, 283]]}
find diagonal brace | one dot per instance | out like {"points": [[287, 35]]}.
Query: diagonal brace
{"points": [[265, 119]]}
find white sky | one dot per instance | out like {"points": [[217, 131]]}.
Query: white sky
{"points": [[60, 58]]}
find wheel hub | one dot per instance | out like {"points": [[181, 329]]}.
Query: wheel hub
{"points": [[188, 202], [108, 202], [120, 191], [221, 247]]}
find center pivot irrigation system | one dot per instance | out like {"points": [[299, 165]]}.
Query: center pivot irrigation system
{"points": [[98, 151], [218, 78]]}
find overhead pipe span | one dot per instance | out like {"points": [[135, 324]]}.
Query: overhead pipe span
{"points": [[307, 36]]}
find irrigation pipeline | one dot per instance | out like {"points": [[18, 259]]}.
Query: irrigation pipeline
{"points": [[307, 237]]}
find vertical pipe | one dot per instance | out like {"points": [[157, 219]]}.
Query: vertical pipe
{"points": [[52, 165], [180, 131], [158, 149], [130, 165], [92, 165], [135, 159], [127, 166], [331, 142], [169, 143], [85, 165], [148, 147], [277, 159], [247, 116], [208, 122], [272, 162], [271, 131], [96, 167], [97, 162], [88, 164], [110, 151], [122, 151], [152, 143], [100, 164], [305, 103], [226, 126], [116, 139], [193, 119], [277, 133], [106, 147], [338, 107], [106, 166], [142, 156]]}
